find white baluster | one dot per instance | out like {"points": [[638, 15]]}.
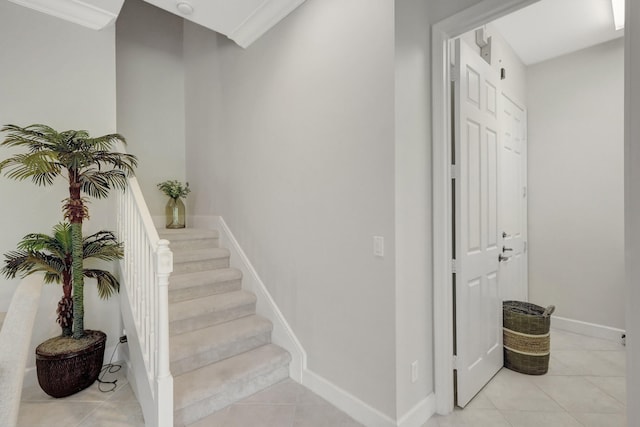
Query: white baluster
{"points": [[146, 267]]}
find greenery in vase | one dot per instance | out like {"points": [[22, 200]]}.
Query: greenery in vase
{"points": [[89, 166], [174, 189], [52, 255]]}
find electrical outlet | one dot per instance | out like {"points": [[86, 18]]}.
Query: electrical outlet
{"points": [[414, 371]]}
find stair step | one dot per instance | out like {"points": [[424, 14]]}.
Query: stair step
{"points": [[184, 286], [191, 260], [190, 238], [193, 350], [185, 316], [203, 391]]}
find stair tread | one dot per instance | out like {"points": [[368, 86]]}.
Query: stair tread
{"points": [[194, 307], [188, 233], [202, 383], [190, 255], [199, 278], [202, 340]]}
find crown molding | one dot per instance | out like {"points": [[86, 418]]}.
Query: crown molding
{"points": [[261, 20], [76, 11]]}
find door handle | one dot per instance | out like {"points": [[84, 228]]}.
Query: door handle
{"points": [[505, 235], [505, 249], [502, 258]]}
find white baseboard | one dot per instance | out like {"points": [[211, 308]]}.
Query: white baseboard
{"points": [[282, 334], [586, 328], [346, 402], [420, 413]]}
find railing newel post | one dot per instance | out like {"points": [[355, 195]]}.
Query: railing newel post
{"points": [[164, 260]]}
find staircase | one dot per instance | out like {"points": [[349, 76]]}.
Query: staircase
{"points": [[220, 349]]}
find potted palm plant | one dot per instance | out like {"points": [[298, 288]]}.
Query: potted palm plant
{"points": [[91, 168], [51, 255]]}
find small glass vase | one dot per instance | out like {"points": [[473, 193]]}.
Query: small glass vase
{"points": [[175, 213]]}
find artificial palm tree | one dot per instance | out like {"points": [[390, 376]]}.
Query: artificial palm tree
{"points": [[52, 255], [90, 167]]}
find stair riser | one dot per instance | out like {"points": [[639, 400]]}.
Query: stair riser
{"points": [[208, 264], [224, 351], [194, 244], [203, 290], [210, 319], [232, 393]]}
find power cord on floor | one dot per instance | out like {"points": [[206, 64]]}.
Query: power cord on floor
{"points": [[109, 368]]}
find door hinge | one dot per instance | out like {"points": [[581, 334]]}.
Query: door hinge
{"points": [[454, 172], [453, 73], [454, 267], [524, 249], [524, 191], [455, 361]]}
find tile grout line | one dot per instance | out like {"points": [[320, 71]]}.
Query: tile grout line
{"points": [[605, 391]]}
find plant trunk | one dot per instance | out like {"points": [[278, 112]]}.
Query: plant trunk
{"points": [[75, 214], [65, 315], [78, 280], [65, 305]]}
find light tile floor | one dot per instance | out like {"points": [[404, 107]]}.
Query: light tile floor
{"points": [[286, 404], [585, 387], [90, 407]]}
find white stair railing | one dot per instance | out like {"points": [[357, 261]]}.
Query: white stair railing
{"points": [[145, 268]]}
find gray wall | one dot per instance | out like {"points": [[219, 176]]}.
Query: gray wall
{"points": [[151, 95], [414, 330], [576, 184], [632, 200], [63, 75], [303, 173]]}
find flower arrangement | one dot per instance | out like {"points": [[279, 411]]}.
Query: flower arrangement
{"points": [[174, 189]]}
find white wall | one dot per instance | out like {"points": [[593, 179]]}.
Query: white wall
{"points": [[63, 75], [205, 117], [304, 176], [414, 330], [576, 229], [632, 201], [150, 87]]}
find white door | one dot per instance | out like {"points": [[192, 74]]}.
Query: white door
{"points": [[513, 200], [478, 239]]}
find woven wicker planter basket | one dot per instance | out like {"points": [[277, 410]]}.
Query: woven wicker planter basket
{"points": [[62, 374], [526, 337]]}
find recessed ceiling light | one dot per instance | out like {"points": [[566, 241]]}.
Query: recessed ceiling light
{"points": [[618, 13], [184, 7]]}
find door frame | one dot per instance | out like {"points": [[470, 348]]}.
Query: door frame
{"points": [[443, 31]]}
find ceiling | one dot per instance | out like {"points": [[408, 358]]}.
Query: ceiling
{"points": [[551, 28], [544, 30], [243, 21]]}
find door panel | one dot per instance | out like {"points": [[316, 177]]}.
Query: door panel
{"points": [[513, 272], [478, 233]]}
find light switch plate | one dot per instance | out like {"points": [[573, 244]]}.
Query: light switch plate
{"points": [[378, 246]]}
